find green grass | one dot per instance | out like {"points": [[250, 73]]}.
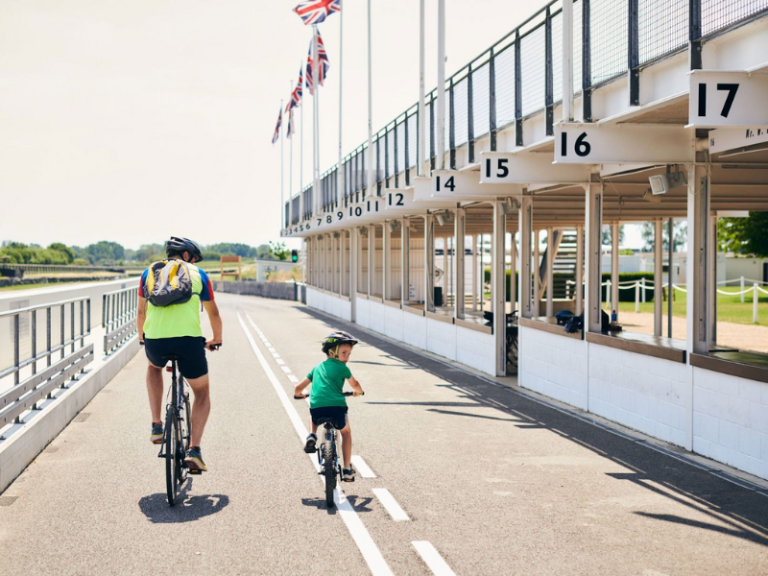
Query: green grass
{"points": [[729, 308]]}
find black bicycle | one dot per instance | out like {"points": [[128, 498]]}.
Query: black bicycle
{"points": [[176, 435], [511, 339], [328, 455]]}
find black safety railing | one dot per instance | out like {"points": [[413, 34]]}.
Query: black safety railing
{"points": [[520, 77], [38, 367], [118, 317]]}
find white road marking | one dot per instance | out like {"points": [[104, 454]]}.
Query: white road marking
{"points": [[286, 369], [389, 502], [357, 530], [432, 558], [293, 378], [362, 467], [279, 360], [271, 350]]}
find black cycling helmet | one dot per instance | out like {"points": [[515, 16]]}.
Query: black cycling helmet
{"points": [[335, 339], [178, 245]]}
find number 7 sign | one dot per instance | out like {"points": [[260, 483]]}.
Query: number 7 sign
{"points": [[734, 99]]}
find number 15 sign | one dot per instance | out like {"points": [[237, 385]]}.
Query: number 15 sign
{"points": [[729, 98]]}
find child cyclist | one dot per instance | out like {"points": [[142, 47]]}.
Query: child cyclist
{"points": [[327, 399]]}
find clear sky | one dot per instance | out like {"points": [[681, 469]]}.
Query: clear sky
{"points": [[131, 121]]}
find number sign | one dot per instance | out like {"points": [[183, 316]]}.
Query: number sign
{"points": [[733, 99], [528, 168]]}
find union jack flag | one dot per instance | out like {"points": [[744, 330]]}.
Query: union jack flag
{"points": [[316, 11], [297, 93], [276, 136], [289, 129], [324, 65]]}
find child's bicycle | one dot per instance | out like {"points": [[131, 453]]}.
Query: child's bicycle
{"points": [[328, 455]]}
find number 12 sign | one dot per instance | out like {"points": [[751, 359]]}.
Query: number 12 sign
{"points": [[734, 99]]}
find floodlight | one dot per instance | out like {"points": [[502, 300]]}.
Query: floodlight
{"points": [[509, 206], [663, 183], [441, 219]]}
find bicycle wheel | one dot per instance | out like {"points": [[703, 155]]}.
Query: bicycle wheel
{"points": [[184, 431], [171, 464], [329, 472]]}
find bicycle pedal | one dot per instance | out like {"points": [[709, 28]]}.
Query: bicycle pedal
{"points": [[195, 472]]}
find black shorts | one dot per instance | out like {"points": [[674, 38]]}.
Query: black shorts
{"points": [[338, 414], [189, 349]]}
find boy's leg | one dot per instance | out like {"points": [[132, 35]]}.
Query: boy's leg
{"points": [[346, 445]]}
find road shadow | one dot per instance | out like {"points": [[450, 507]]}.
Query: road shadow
{"points": [[187, 509], [735, 508], [358, 504]]}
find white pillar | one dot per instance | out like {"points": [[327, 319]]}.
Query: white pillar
{"points": [[386, 264], [459, 228], [405, 262], [475, 299], [550, 272], [658, 264], [513, 274], [526, 229], [579, 270], [615, 268], [593, 231], [498, 298], [422, 119], [440, 127], [567, 59], [445, 271], [354, 239], [429, 263], [698, 273], [536, 274], [371, 180], [371, 257]]}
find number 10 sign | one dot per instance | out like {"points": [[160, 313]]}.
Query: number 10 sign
{"points": [[588, 143]]}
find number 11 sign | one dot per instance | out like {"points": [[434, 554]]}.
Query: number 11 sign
{"points": [[589, 143]]}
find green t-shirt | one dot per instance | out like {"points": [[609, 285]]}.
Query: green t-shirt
{"points": [[327, 383], [178, 320]]}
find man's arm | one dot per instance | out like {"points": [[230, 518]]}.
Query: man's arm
{"points": [[141, 317], [215, 319]]}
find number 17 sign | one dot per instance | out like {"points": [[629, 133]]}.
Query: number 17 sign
{"points": [[736, 99], [589, 143]]}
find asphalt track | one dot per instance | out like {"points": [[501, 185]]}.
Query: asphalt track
{"points": [[470, 478]]}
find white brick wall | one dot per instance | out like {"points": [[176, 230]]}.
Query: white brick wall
{"points": [[648, 394], [476, 350], [415, 330], [441, 338], [553, 365], [393, 323], [376, 312], [730, 420]]}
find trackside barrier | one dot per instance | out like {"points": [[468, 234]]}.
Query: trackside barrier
{"points": [[29, 383], [118, 317]]}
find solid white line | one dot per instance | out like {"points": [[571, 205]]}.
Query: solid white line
{"points": [[362, 467], [357, 530], [286, 369], [432, 559], [389, 502]]}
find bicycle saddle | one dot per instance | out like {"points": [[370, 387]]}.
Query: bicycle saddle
{"points": [[327, 420], [170, 358]]}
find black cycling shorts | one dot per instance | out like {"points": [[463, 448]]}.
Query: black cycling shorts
{"points": [[189, 349], [338, 414]]}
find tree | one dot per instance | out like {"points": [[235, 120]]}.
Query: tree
{"points": [[607, 240], [744, 235], [233, 249], [680, 231], [278, 250], [263, 252], [59, 247], [105, 252]]}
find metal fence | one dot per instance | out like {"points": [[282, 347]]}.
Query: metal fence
{"points": [[38, 368], [56, 268], [519, 77], [118, 317]]}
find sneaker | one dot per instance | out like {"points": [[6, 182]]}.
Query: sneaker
{"points": [[194, 461], [311, 446], [157, 434], [348, 474]]}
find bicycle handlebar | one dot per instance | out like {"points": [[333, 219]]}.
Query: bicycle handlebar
{"points": [[303, 396]]}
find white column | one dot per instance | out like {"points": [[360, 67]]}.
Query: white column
{"points": [[445, 271], [550, 272], [498, 288], [513, 274], [386, 264], [579, 270], [459, 228], [371, 257], [354, 239], [658, 280], [526, 230], [615, 231], [440, 127], [567, 60], [536, 274], [315, 123], [698, 269], [341, 92], [475, 275], [593, 230], [371, 182], [405, 262], [481, 273], [422, 108], [429, 263]]}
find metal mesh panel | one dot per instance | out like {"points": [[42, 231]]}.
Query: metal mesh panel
{"points": [[717, 14], [557, 57], [577, 48], [413, 138], [533, 70], [390, 153], [401, 148], [608, 29], [460, 113], [481, 105], [447, 124], [505, 87], [378, 156], [663, 27]]}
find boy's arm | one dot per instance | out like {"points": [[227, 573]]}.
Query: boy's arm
{"points": [[298, 391], [356, 388]]}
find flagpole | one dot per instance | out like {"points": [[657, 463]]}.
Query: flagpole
{"points": [[340, 168], [440, 136], [371, 182], [290, 162], [301, 147], [315, 121], [282, 194], [422, 108]]}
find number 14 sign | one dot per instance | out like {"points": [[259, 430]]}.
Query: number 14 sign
{"points": [[589, 143]]}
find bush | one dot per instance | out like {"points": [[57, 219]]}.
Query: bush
{"points": [[628, 295]]}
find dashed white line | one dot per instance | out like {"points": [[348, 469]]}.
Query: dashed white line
{"points": [[357, 530], [391, 505], [286, 369], [293, 378], [432, 558], [362, 467], [280, 361]]}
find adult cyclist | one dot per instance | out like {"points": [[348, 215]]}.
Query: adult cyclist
{"points": [[175, 330]]}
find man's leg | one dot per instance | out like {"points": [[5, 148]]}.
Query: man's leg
{"points": [[201, 407], [155, 390]]}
